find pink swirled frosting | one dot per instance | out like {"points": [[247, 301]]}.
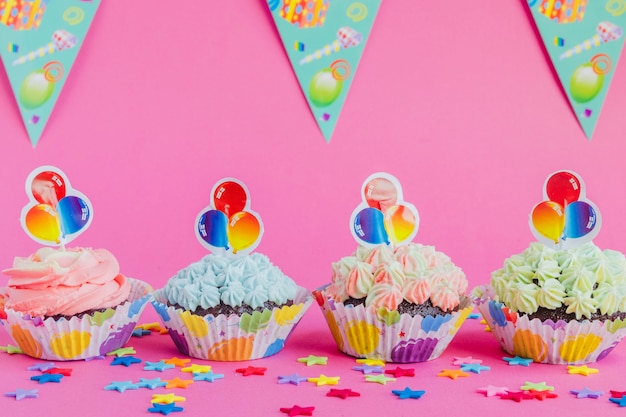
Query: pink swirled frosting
{"points": [[385, 277], [65, 282]]}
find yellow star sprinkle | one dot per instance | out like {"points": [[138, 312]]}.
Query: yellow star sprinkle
{"points": [[149, 326], [371, 362], [197, 369], [324, 380], [314, 360], [452, 373], [123, 351], [380, 378], [166, 398], [581, 370]]}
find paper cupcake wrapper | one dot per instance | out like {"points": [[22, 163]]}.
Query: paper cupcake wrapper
{"points": [[388, 335], [232, 338], [78, 338], [571, 343]]}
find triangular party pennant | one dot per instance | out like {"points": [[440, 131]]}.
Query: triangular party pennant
{"points": [[39, 41], [584, 39], [324, 40]]}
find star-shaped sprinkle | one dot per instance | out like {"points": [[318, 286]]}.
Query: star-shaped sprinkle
{"points": [[581, 370], [197, 369], [324, 380], [371, 362], [617, 394], [43, 378], [619, 401], [473, 316], [62, 371], [178, 383], [159, 366], [125, 360], [408, 393], [20, 394], [139, 332], [537, 386], [151, 383], [168, 398], [42, 366], [123, 351], [381, 379], [94, 358], [342, 393], [474, 367], [149, 326], [492, 390], [516, 396], [457, 360], [207, 376], [251, 370], [314, 360], [177, 361], [541, 395], [452, 373], [165, 409], [586, 393], [294, 379], [297, 411], [121, 386], [367, 369], [11, 350], [517, 360], [398, 372]]}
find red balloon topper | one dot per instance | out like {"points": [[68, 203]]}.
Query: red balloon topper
{"points": [[563, 187], [229, 197]]}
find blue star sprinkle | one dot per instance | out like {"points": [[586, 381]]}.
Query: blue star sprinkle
{"points": [[125, 360], [151, 383], [41, 367], [619, 401], [474, 367], [20, 394], [586, 393], [121, 386], [165, 409], [473, 316], [408, 393], [207, 376], [294, 379], [43, 378], [367, 369], [517, 360], [139, 332], [157, 366]]}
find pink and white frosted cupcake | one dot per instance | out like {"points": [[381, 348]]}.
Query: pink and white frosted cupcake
{"points": [[399, 303], [66, 303]]}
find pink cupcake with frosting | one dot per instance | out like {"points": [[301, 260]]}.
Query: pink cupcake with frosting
{"points": [[66, 303], [392, 299]]}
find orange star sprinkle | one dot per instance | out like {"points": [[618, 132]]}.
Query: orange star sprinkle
{"points": [[177, 361], [452, 373], [178, 383]]}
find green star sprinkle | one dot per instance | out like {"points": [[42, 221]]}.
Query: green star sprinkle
{"points": [[537, 386], [314, 360], [122, 352]]}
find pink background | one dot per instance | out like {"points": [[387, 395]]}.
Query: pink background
{"points": [[459, 103]]}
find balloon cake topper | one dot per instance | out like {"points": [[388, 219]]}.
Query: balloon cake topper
{"points": [[383, 218], [565, 219], [56, 213], [228, 226]]}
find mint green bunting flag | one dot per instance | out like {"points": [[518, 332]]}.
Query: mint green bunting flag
{"points": [[39, 41], [324, 40], [584, 39]]}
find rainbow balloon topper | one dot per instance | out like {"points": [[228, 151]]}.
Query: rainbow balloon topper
{"points": [[228, 226], [383, 218], [56, 213], [565, 219]]}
